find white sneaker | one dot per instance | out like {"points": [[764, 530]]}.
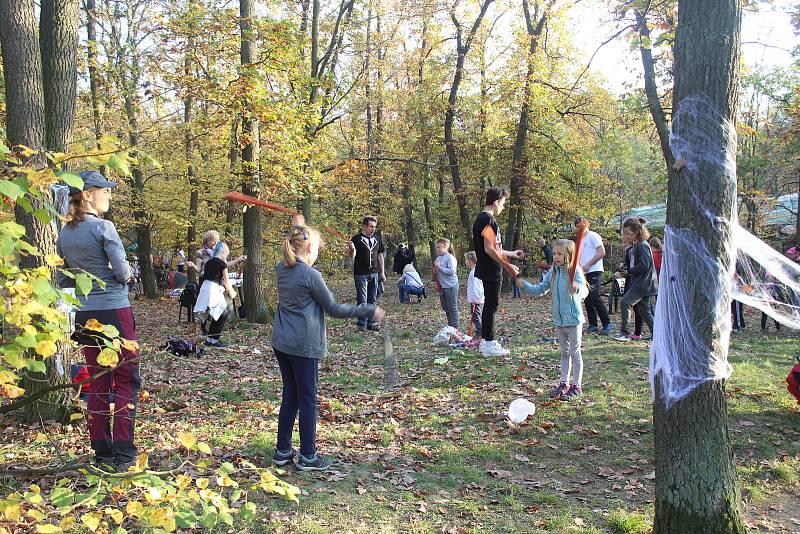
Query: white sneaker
{"points": [[493, 348], [481, 345]]}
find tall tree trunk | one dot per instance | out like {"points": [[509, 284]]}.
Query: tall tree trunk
{"points": [[233, 167], [306, 204], [651, 88], [519, 162], [129, 83], [94, 76], [253, 294], [462, 49], [26, 125], [696, 488], [191, 174], [368, 90], [58, 41]]}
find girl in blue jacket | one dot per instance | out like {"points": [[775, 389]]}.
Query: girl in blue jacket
{"points": [[567, 315]]}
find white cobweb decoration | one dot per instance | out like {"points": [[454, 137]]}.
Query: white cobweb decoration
{"points": [[761, 277]]}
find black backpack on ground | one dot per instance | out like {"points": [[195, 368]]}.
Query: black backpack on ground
{"points": [[182, 347]]}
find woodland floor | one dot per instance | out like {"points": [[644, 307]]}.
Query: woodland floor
{"points": [[435, 454]]}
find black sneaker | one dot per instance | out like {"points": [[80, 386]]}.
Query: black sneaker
{"points": [[104, 463], [360, 328], [211, 342], [318, 463], [282, 458], [122, 463], [374, 327]]}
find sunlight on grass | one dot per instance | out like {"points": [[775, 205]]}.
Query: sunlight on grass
{"points": [[622, 522]]}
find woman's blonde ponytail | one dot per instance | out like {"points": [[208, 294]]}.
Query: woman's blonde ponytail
{"points": [[297, 238]]}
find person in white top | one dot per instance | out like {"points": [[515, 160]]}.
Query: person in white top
{"points": [[475, 295], [591, 260]]}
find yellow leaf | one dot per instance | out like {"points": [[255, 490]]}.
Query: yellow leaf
{"points": [[76, 416], [201, 483], [141, 462], [134, 508], [163, 518], [68, 523], [13, 512], [46, 348], [94, 324], [107, 358], [36, 514], [183, 481], [129, 344], [10, 391], [53, 260], [204, 448], [115, 514], [187, 440], [41, 438], [91, 520], [46, 528]]}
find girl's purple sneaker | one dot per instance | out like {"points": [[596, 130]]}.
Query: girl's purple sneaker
{"points": [[572, 392]]}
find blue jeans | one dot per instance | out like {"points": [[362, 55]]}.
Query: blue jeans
{"points": [[299, 395], [366, 292], [406, 290]]}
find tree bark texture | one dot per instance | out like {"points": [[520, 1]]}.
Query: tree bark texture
{"points": [[25, 125], [463, 46], [191, 174], [696, 488], [58, 41], [253, 295]]}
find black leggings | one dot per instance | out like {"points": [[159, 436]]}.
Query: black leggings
{"points": [[215, 327], [491, 292]]}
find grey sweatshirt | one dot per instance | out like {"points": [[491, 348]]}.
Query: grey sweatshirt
{"points": [[446, 265], [303, 301], [94, 246]]}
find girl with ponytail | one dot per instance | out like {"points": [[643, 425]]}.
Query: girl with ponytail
{"points": [[299, 342]]}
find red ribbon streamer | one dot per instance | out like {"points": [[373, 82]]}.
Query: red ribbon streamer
{"points": [[235, 196], [583, 226]]}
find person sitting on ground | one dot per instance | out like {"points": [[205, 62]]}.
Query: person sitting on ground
{"points": [[300, 342], [211, 307], [567, 315], [409, 284]]}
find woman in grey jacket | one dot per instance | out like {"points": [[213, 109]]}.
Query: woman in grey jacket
{"points": [[299, 342], [91, 244], [643, 284]]}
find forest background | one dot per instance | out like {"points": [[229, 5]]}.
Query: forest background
{"points": [[405, 110]]}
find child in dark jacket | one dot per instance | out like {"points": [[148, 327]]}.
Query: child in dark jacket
{"points": [[642, 285], [299, 342]]}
